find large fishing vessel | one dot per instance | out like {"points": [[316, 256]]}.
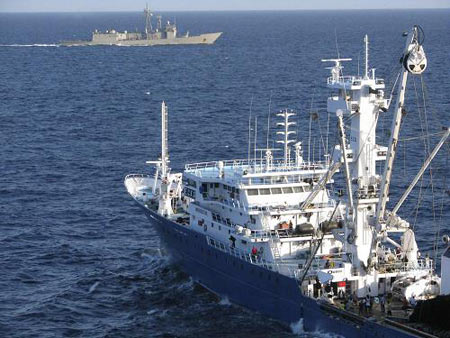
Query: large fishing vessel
{"points": [[161, 35], [270, 235]]}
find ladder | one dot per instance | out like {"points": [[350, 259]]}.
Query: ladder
{"points": [[273, 242]]}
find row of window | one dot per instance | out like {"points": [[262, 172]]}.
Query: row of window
{"points": [[217, 218], [218, 185], [189, 192], [277, 191], [190, 182]]}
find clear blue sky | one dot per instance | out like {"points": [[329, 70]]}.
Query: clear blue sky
{"points": [[183, 5]]}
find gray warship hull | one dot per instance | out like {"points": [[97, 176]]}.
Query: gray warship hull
{"points": [[202, 39]]}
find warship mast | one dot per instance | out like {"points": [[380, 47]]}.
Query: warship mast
{"points": [[148, 21]]}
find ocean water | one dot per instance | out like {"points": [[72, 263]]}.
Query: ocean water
{"points": [[77, 257]]}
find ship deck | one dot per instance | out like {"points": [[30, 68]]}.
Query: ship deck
{"points": [[398, 316]]}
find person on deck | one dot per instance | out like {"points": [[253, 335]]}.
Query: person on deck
{"points": [[382, 304], [368, 305], [405, 306], [361, 306], [389, 307], [254, 252], [413, 301]]}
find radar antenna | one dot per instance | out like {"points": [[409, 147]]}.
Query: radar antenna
{"points": [[337, 69], [286, 114], [159, 23]]}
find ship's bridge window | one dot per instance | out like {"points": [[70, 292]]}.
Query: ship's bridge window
{"points": [[190, 182], [252, 192], [307, 188], [265, 191], [287, 190], [298, 189], [276, 190]]}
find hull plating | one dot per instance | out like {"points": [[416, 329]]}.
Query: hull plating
{"points": [[254, 287]]}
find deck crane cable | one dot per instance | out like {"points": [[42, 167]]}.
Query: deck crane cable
{"points": [[437, 120], [418, 203], [441, 219], [310, 122], [421, 194], [268, 121], [250, 131], [427, 140]]}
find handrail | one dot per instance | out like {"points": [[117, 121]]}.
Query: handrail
{"points": [[350, 80], [137, 176], [248, 257], [240, 254], [254, 164]]}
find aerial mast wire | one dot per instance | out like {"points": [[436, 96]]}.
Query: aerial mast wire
{"points": [[268, 121], [256, 136], [249, 131], [366, 41]]}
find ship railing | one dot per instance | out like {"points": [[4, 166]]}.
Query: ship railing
{"points": [[288, 179], [401, 266], [284, 268], [344, 80], [271, 233], [137, 176], [350, 80], [256, 165], [245, 256], [280, 208]]}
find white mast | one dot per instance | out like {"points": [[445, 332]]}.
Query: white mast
{"points": [[361, 99], [164, 139], [366, 40], [163, 162]]}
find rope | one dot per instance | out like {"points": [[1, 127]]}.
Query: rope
{"points": [[440, 222]]}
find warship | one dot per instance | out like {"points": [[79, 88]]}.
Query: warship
{"points": [[167, 35], [271, 235]]}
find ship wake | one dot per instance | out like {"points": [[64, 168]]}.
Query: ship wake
{"points": [[32, 45]]}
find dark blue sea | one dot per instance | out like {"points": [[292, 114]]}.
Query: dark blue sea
{"points": [[77, 257]]}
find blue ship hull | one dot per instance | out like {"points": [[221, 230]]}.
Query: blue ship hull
{"points": [[257, 288]]}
